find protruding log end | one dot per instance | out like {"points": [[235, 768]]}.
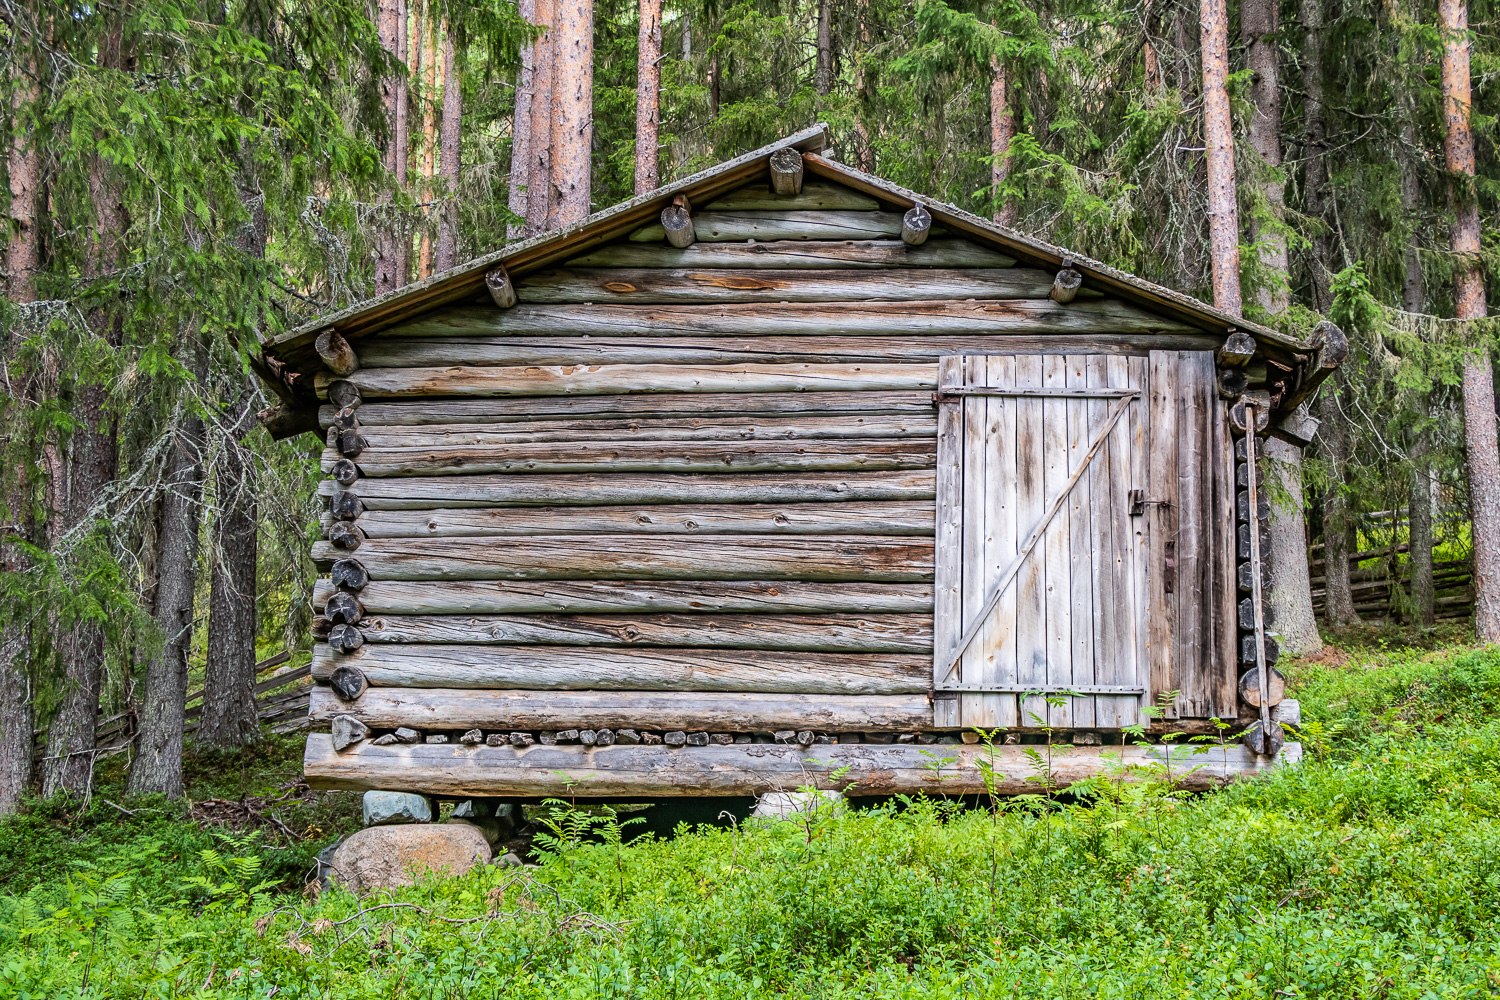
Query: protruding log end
{"points": [[336, 353], [350, 443], [677, 221], [344, 419], [284, 421], [1232, 383], [345, 638], [344, 609], [345, 535], [1065, 286], [1250, 687], [1239, 414], [348, 682], [343, 394], [1267, 744], [322, 625], [1237, 350], [915, 225], [1247, 644], [500, 287], [345, 472], [350, 574], [1333, 345], [786, 171], [346, 506]]}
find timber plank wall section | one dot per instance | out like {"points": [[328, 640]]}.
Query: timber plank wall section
{"points": [[652, 490]]}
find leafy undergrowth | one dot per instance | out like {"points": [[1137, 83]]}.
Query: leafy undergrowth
{"points": [[1372, 870]]}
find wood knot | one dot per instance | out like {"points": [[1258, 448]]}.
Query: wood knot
{"points": [[619, 286]]}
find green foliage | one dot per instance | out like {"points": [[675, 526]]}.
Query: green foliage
{"points": [[230, 880]]}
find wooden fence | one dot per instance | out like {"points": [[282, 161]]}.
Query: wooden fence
{"points": [[1371, 576]]}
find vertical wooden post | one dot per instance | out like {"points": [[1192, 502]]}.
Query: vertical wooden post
{"points": [[1268, 743]]}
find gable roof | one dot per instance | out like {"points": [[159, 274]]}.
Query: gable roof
{"points": [[293, 351]]}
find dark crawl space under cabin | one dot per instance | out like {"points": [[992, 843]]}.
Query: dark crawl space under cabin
{"points": [[784, 475]]}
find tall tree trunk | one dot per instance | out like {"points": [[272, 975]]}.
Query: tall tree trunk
{"points": [[157, 766], [450, 139], [1338, 522], [1314, 171], [540, 196], [388, 265], [864, 153], [823, 76], [427, 44], [1290, 594], [1218, 134], [573, 113], [1002, 131], [1468, 297], [713, 85], [1419, 506], [1259, 31], [521, 151], [648, 98]]}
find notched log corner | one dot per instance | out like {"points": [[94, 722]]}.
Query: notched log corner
{"points": [[285, 420], [338, 356]]}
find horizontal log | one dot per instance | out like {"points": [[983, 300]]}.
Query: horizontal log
{"points": [[415, 412], [798, 254], [557, 380], [716, 428], [809, 633], [718, 711], [782, 224], [902, 517], [856, 769], [398, 493], [556, 668], [805, 319], [422, 352], [814, 195], [649, 286], [644, 557], [646, 456], [657, 596]]}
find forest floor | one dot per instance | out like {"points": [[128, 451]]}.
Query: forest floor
{"points": [[1371, 870]]}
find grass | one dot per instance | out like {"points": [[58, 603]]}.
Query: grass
{"points": [[1372, 870]]}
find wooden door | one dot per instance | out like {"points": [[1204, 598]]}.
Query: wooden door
{"points": [[1041, 577]]}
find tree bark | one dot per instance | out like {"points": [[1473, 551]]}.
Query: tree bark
{"points": [[539, 194], [1338, 597], [427, 49], [1218, 134], [385, 239], [1259, 31], [1290, 594], [823, 75], [445, 256], [648, 99], [157, 766], [1002, 131], [572, 113], [1419, 530], [864, 153], [402, 246], [521, 151], [1480, 435], [1314, 171]]}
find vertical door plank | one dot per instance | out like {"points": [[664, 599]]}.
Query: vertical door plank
{"points": [[1057, 540], [1102, 545], [1140, 543], [1225, 658], [1031, 582], [1080, 546], [1191, 582], [1122, 639], [1002, 540], [948, 548], [976, 474], [1161, 461]]}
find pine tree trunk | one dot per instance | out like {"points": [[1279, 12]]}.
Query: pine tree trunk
{"points": [[540, 195], [450, 139], [1338, 596], [229, 716], [427, 45], [1218, 134], [823, 76], [1258, 29], [1419, 530], [648, 98], [385, 238], [713, 86], [402, 252], [1480, 435], [157, 766], [864, 153], [1290, 594], [1002, 131], [572, 113], [521, 151], [1314, 171]]}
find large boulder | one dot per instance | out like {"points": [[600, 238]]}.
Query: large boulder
{"points": [[796, 805], [384, 857]]}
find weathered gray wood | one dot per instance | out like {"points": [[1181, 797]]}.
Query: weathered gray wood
{"points": [[811, 633], [948, 562], [621, 596], [678, 227], [646, 456], [1236, 351], [389, 383], [1054, 548], [343, 394], [651, 286], [1134, 548], [1225, 566], [419, 352], [815, 195], [1081, 548], [741, 769], [916, 226], [627, 488], [345, 638], [701, 406], [1162, 491], [344, 472], [844, 427], [645, 557], [343, 608], [336, 353], [786, 172], [502, 290], [1194, 646], [285, 420], [721, 711], [349, 574], [907, 517], [346, 680], [798, 254], [345, 506], [1249, 687], [345, 535], [555, 668], [784, 224], [806, 319], [1065, 286]]}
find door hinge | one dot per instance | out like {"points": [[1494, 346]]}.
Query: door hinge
{"points": [[1139, 503]]}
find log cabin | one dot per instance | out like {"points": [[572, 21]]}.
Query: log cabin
{"points": [[784, 475]]}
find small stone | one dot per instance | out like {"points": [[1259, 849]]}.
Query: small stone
{"points": [[697, 739], [472, 738], [604, 737], [510, 859], [880, 737], [742, 738], [547, 739], [567, 735], [721, 739], [384, 741], [385, 808], [520, 739], [824, 738], [347, 731], [651, 739], [851, 737], [404, 735], [437, 738], [674, 738], [948, 741], [762, 738], [472, 809], [928, 739], [785, 735], [805, 737], [629, 736], [1087, 739], [588, 737], [906, 738], [495, 739], [787, 805], [969, 736]]}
